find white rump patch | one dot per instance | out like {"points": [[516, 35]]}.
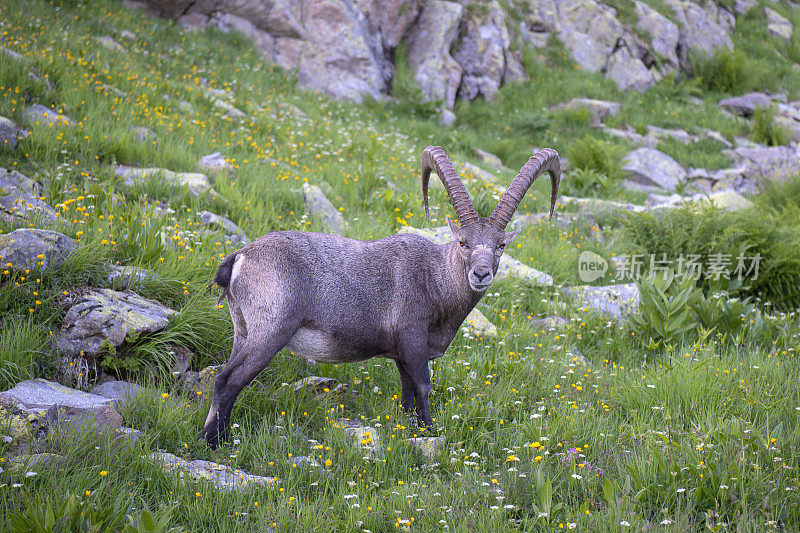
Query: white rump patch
{"points": [[237, 265]]}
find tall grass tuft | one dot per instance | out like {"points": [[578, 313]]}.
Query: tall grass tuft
{"points": [[726, 71], [766, 130]]}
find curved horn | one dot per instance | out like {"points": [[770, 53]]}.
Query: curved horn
{"points": [[434, 158], [545, 160]]}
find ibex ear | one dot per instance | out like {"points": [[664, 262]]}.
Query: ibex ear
{"points": [[455, 229], [510, 236]]}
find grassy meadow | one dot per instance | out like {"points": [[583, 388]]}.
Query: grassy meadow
{"points": [[687, 420]]}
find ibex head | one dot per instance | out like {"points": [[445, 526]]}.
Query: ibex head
{"points": [[481, 241]]}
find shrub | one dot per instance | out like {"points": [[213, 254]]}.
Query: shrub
{"points": [[590, 153], [580, 182], [709, 234], [766, 130], [665, 307], [725, 71], [405, 89]]}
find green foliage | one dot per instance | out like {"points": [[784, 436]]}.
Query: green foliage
{"points": [[588, 182], [708, 233], [592, 154], [665, 307], [23, 350], [726, 71], [75, 515], [766, 130], [410, 98]]}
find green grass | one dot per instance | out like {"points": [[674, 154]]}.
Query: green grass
{"points": [[699, 431]]}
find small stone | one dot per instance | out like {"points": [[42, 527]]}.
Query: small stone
{"points": [[142, 134], [222, 476], [447, 118], [37, 114], [429, 446], [196, 183], [319, 205], [599, 109], [109, 43], [554, 322], [18, 199], [616, 301], [489, 159], [214, 163], [207, 218], [477, 324], [319, 387]]}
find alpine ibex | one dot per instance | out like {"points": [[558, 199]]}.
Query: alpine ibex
{"points": [[335, 300]]}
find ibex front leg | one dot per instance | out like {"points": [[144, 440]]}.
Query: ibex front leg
{"points": [[414, 360]]}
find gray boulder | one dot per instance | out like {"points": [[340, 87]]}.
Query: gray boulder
{"points": [[628, 71], [196, 182], [677, 134], [142, 134], [778, 25], [32, 249], [769, 163], [599, 109], [101, 319], [746, 104], [629, 134], [615, 301], [214, 163], [478, 325], [38, 114], [489, 159], [319, 205], [389, 19], [10, 133], [664, 33], [704, 27], [207, 218], [482, 53], [430, 39], [121, 392], [62, 404], [18, 198], [222, 476], [651, 167]]}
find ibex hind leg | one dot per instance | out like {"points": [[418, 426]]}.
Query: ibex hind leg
{"points": [[247, 360]]}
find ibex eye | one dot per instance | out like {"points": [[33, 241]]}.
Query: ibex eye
{"points": [[462, 243], [501, 246]]}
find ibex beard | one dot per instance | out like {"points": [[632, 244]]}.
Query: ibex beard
{"points": [[332, 299]]}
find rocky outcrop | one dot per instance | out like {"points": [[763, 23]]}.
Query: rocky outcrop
{"points": [[34, 249], [18, 199], [664, 34], [746, 104], [428, 54], [704, 27], [100, 320]]}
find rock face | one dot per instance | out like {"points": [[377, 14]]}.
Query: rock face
{"points": [[34, 249], [651, 167], [319, 205], [664, 33], [101, 319], [437, 73], [704, 27], [18, 200], [222, 476], [483, 54]]}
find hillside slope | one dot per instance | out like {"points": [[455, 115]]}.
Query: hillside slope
{"points": [[136, 154]]}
